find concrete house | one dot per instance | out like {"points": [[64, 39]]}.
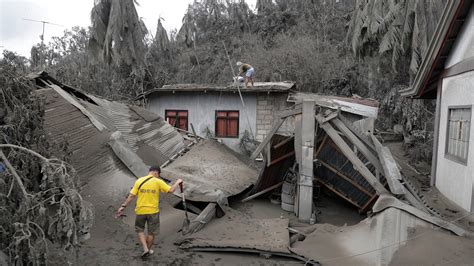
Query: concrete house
{"points": [[218, 110], [447, 75]]}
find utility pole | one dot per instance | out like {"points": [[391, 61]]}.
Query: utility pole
{"points": [[42, 34]]}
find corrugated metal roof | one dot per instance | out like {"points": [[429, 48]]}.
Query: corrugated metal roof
{"points": [[147, 134], [63, 121], [339, 175]]}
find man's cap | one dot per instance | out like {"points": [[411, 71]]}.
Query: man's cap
{"points": [[154, 168], [239, 63]]}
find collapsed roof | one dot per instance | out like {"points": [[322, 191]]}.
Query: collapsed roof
{"points": [[108, 137]]}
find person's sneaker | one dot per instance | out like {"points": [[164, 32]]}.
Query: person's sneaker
{"points": [[151, 252], [145, 254]]}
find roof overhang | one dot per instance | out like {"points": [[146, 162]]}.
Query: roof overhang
{"points": [[432, 66], [268, 87]]}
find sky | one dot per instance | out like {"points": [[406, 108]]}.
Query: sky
{"points": [[19, 35]]}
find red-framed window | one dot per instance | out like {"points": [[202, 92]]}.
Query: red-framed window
{"points": [[177, 118], [227, 124]]}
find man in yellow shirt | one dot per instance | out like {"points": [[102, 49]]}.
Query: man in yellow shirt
{"points": [[147, 191]]}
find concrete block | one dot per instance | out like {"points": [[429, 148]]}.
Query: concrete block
{"points": [[262, 102], [261, 131], [265, 112]]}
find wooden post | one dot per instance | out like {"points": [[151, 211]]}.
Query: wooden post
{"points": [[305, 202]]}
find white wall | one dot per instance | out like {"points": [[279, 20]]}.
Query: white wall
{"points": [[202, 106], [464, 46], [453, 179]]}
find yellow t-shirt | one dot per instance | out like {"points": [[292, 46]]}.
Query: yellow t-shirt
{"points": [[148, 198]]}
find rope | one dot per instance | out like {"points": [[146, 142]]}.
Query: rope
{"points": [[240, 93], [391, 245]]}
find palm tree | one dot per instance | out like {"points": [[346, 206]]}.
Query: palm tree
{"points": [[117, 32], [399, 28]]}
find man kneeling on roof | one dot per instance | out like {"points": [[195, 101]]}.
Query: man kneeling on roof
{"points": [[147, 191], [249, 72]]}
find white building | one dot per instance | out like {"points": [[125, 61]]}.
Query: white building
{"points": [[447, 75], [219, 110]]}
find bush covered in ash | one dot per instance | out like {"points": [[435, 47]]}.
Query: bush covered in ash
{"points": [[40, 204]]}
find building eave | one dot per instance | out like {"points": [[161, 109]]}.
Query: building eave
{"points": [[440, 46]]}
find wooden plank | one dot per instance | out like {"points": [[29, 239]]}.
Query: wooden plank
{"points": [[321, 146], [267, 139], [390, 168], [329, 117], [282, 158], [366, 206], [335, 102], [262, 192], [358, 143], [269, 154], [356, 131], [203, 218], [337, 172], [285, 141], [333, 189], [284, 114], [356, 162]]}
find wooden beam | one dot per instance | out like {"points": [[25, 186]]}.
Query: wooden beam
{"points": [[285, 141], [358, 143], [321, 145], [390, 168], [333, 189], [262, 192], [337, 172], [356, 131], [267, 139], [203, 218], [284, 114], [366, 206], [269, 154], [282, 158], [356, 162], [329, 117]]}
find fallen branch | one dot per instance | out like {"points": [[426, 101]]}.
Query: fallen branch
{"points": [[24, 149], [14, 173]]}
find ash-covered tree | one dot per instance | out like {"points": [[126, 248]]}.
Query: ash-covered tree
{"points": [[117, 32], [118, 39], [400, 29]]}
